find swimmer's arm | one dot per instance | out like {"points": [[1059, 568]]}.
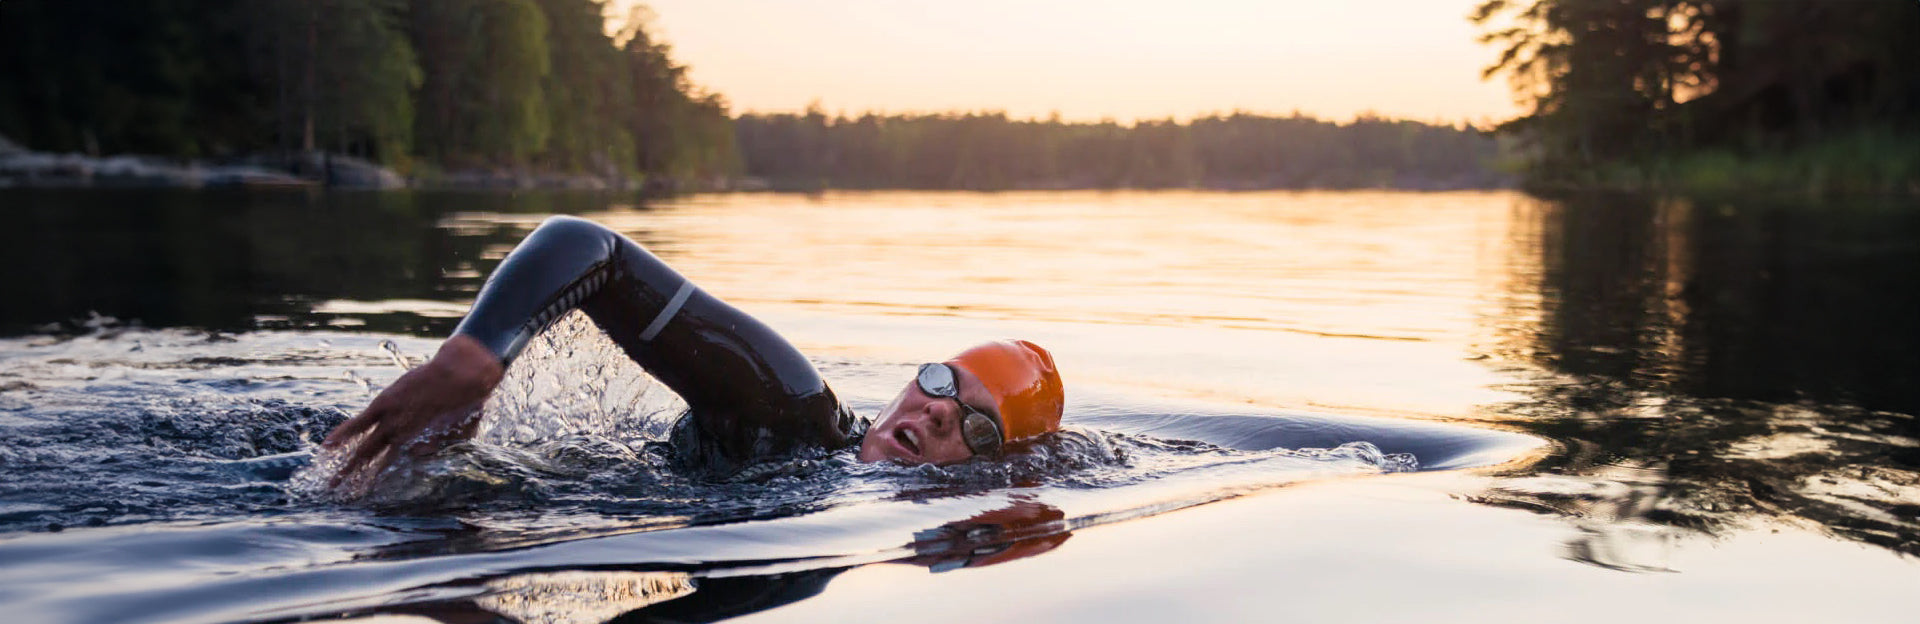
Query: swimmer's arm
{"points": [[552, 272], [426, 409], [750, 390], [556, 269], [563, 265]]}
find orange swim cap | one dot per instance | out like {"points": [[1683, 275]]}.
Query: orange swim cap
{"points": [[1025, 386]]}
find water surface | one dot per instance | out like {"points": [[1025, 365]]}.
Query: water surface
{"points": [[1726, 389]]}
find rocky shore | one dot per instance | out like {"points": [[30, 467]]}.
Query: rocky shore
{"points": [[21, 167]]}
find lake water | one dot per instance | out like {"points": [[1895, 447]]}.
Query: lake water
{"points": [[1620, 407]]}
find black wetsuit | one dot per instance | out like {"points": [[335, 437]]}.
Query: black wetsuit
{"points": [[753, 396]]}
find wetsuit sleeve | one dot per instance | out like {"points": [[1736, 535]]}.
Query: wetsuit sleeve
{"points": [[752, 394]]}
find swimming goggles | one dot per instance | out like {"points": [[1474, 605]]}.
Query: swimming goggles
{"points": [[980, 430]]}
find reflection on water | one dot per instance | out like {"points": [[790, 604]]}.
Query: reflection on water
{"points": [[1328, 264], [580, 596], [1022, 528], [234, 261], [1724, 364]]}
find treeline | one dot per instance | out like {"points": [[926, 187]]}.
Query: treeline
{"points": [[1721, 94], [990, 152], [512, 84], [445, 87]]}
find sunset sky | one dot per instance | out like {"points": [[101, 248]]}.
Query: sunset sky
{"points": [[1089, 59]]}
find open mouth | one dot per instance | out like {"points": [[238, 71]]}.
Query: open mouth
{"points": [[908, 439]]}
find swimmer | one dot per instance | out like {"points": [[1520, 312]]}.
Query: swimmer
{"points": [[752, 396]]}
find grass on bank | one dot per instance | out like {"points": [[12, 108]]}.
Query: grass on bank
{"points": [[1865, 162]]}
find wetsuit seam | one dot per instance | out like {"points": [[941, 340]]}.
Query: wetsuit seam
{"points": [[567, 300]]}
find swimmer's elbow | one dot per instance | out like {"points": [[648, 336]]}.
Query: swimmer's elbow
{"points": [[567, 232]]}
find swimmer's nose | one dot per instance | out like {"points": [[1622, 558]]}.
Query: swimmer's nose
{"points": [[942, 415]]}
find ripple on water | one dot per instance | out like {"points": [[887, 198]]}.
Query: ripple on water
{"points": [[191, 442], [180, 425]]}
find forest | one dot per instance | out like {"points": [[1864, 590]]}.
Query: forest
{"points": [[413, 84], [1774, 95], [988, 151], [1713, 95], [428, 86]]}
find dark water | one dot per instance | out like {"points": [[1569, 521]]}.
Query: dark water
{"points": [[1727, 389], [1752, 359]]}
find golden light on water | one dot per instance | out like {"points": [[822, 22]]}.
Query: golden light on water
{"points": [[1383, 269], [1088, 59], [1358, 301]]}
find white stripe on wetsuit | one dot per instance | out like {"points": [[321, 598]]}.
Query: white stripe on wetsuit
{"points": [[666, 314]]}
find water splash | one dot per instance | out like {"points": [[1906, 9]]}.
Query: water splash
{"points": [[170, 425], [393, 351], [572, 380]]}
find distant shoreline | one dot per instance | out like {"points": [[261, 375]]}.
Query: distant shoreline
{"points": [[20, 168]]}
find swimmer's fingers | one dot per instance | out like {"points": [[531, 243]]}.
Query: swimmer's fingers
{"points": [[450, 428], [463, 372], [347, 430], [359, 424], [357, 456], [403, 430], [361, 463], [372, 453], [422, 411]]}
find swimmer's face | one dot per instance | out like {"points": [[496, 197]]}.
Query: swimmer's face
{"points": [[916, 428]]}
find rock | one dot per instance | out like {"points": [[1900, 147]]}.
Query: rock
{"points": [[350, 172], [22, 167], [250, 176], [143, 172], [43, 169]]}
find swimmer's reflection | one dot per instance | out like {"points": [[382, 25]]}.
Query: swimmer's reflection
{"points": [[1022, 529]]}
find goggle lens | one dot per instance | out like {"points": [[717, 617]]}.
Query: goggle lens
{"points": [[937, 380], [981, 432]]}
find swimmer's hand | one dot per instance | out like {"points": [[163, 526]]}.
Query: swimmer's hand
{"points": [[423, 411]]}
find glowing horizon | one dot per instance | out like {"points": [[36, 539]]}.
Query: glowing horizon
{"points": [[1125, 60]]}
